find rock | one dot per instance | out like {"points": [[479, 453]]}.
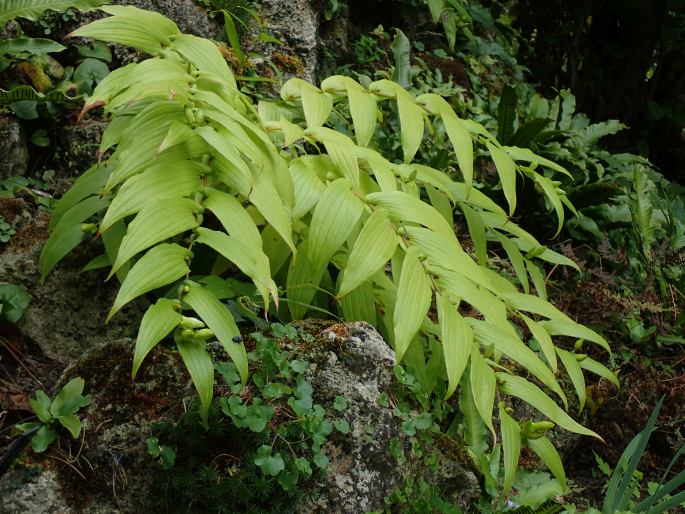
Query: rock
{"points": [[14, 155], [108, 471], [67, 312], [38, 493], [80, 144], [111, 471], [296, 24], [359, 366]]}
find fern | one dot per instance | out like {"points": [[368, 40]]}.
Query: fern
{"points": [[199, 174], [641, 208], [506, 114]]}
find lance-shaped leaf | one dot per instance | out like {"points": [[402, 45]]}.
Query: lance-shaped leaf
{"points": [[360, 304], [567, 327], [477, 232], [526, 155], [462, 143], [404, 207], [364, 113], [553, 195], [315, 104], [483, 387], [342, 151], [90, 183], [411, 122], [544, 340], [575, 373], [334, 217], [160, 266], [69, 399], [307, 184], [199, 365], [511, 444], [374, 246], [508, 342], [536, 398], [303, 281], [535, 304], [145, 30], [549, 455], [506, 169], [413, 301], [265, 197], [205, 56], [595, 367], [154, 184], [219, 319], [457, 341], [250, 260], [155, 223], [516, 260], [233, 216], [158, 321], [68, 233]]}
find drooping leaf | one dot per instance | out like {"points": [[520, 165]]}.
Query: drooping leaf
{"points": [[483, 387], [68, 232], [155, 223], [549, 455], [536, 398], [575, 373], [199, 364], [158, 321], [506, 169], [160, 266], [413, 301], [457, 341], [511, 444], [219, 319], [374, 247]]}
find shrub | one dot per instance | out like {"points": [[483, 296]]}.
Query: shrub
{"points": [[200, 179]]}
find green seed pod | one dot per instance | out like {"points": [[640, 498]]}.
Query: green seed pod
{"points": [[187, 322], [204, 334], [187, 334], [190, 115], [580, 357], [89, 228]]}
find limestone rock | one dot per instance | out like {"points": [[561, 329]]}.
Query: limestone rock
{"points": [[14, 155]]}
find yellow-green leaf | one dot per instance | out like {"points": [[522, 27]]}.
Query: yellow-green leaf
{"points": [[334, 217], [457, 341], [155, 223], [506, 169], [158, 321], [536, 398], [483, 387], [549, 455], [201, 369], [575, 373], [413, 301], [511, 444], [219, 319], [372, 249], [567, 327], [160, 266]]}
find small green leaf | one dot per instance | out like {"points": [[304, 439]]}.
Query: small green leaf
{"points": [[270, 465], [342, 426], [43, 438], [340, 404], [69, 399], [41, 406], [72, 423]]}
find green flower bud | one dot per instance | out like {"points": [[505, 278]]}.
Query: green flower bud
{"points": [[187, 322]]}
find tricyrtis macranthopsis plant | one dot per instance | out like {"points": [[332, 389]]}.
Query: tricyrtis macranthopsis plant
{"points": [[197, 170]]}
